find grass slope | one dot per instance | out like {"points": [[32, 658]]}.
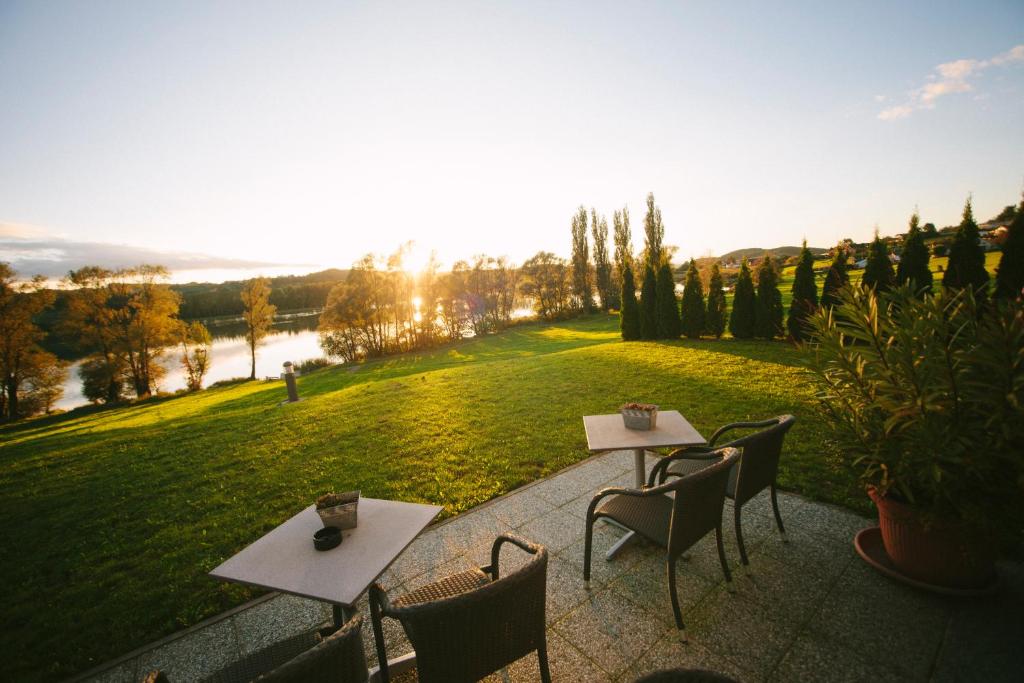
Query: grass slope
{"points": [[111, 520]]}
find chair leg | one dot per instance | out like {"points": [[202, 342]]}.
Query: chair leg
{"points": [[721, 558], [378, 636], [675, 600], [778, 517], [739, 537], [587, 543], [542, 655]]}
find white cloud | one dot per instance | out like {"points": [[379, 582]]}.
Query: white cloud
{"points": [[949, 78]]}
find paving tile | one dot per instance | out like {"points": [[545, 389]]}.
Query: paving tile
{"points": [[592, 473], [395, 642], [520, 508], [782, 590], [195, 655], [613, 631], [426, 552], [835, 522], [560, 489], [646, 584], [605, 536], [669, 653], [761, 504], [565, 663], [565, 588], [815, 659], [702, 558], [556, 530], [621, 461], [577, 507], [284, 616], [468, 530], [742, 631], [126, 672], [805, 551]]}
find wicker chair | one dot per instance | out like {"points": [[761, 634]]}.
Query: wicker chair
{"points": [[673, 522], [474, 623], [755, 472]]}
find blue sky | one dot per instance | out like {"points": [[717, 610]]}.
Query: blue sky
{"points": [[314, 133]]}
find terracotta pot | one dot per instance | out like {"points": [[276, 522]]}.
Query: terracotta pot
{"points": [[937, 552]]}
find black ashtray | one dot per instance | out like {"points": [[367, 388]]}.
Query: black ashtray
{"points": [[327, 538]]}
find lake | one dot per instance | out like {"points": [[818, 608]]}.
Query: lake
{"points": [[294, 338]]}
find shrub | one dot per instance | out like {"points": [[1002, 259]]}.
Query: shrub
{"points": [[966, 265], [744, 303], [649, 306], [768, 309], [693, 303], [668, 305], [629, 316], [805, 295], [1010, 272], [714, 320], [878, 273], [836, 278], [913, 266]]}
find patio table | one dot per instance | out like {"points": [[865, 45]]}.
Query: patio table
{"points": [[285, 559], [608, 433]]}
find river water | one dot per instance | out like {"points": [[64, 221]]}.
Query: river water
{"points": [[293, 338]]}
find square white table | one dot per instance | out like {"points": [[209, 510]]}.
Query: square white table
{"points": [[608, 433]]}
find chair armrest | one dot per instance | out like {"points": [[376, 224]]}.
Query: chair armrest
{"points": [[689, 453], [741, 425], [379, 600], [622, 491], [527, 546]]}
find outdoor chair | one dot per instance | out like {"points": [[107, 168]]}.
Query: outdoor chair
{"points": [[756, 470], [471, 624], [675, 522]]}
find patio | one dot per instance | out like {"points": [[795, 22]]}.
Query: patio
{"points": [[807, 610]]}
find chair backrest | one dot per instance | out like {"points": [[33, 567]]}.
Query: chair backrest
{"points": [[760, 461], [697, 508], [339, 658], [466, 637]]}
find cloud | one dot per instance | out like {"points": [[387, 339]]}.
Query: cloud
{"points": [[30, 251], [949, 78]]}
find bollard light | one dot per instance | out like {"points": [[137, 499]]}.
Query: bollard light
{"points": [[289, 380]]}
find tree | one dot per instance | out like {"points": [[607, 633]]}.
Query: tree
{"points": [[668, 305], [623, 244], [744, 305], [545, 279], [1010, 272], [19, 334], [836, 278], [582, 285], [693, 303], [654, 235], [195, 354], [258, 315], [45, 375], [714, 319], [89, 324], [913, 266], [805, 296], [930, 230], [602, 265], [768, 311], [649, 305], [630, 313], [966, 265], [878, 273]]}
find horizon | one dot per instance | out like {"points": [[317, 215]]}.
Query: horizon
{"points": [[235, 141]]}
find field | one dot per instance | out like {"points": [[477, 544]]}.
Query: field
{"points": [[111, 520]]}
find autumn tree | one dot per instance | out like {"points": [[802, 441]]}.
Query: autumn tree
{"points": [[1010, 271], [654, 235], [89, 324], [629, 314], [258, 315], [623, 245], [606, 289], [693, 303], [744, 305], [20, 303], [668, 304], [582, 284], [805, 296], [878, 272], [913, 265], [649, 305], [836, 278], [768, 310], [714, 319], [966, 266], [195, 354], [545, 278], [45, 375]]}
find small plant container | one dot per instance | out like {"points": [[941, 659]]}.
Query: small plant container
{"points": [[641, 417], [339, 509]]}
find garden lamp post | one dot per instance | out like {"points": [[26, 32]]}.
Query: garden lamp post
{"points": [[289, 380]]}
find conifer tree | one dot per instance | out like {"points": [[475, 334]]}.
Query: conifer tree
{"points": [[1010, 272], [649, 305], [654, 234], [630, 312], [693, 303], [878, 273], [582, 283], [714, 320], [966, 265], [623, 240], [805, 296], [606, 291], [741, 321], [836, 278], [768, 308], [913, 266], [668, 305]]}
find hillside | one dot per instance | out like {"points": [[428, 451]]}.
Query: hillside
{"points": [[757, 252]]}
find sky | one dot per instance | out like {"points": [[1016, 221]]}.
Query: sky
{"points": [[243, 135]]}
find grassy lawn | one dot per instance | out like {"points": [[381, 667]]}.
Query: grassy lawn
{"points": [[111, 520]]}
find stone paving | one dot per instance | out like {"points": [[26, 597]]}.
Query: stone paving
{"points": [[806, 610]]}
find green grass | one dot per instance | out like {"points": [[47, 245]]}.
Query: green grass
{"points": [[111, 519]]}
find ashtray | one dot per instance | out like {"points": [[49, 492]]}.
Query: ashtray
{"points": [[327, 538]]}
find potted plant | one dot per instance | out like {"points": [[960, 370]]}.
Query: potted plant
{"points": [[639, 416], [338, 509], [925, 400]]}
